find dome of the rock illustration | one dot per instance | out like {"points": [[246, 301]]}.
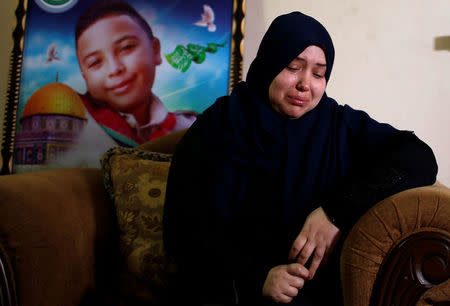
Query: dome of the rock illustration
{"points": [[55, 99], [51, 124]]}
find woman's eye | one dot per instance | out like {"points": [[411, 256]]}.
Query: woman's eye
{"points": [[318, 75], [292, 68]]}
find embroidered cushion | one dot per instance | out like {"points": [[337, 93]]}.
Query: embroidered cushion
{"points": [[136, 182]]}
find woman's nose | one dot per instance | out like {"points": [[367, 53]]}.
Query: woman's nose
{"points": [[303, 82]]}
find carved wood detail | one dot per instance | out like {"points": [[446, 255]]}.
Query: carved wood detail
{"points": [[413, 266]]}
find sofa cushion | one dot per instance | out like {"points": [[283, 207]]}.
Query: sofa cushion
{"points": [[136, 183]]}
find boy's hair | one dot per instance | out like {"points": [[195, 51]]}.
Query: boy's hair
{"points": [[108, 8]]}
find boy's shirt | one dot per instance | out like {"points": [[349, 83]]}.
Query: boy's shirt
{"points": [[106, 129], [125, 130]]}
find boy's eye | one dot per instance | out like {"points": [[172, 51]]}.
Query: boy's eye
{"points": [[127, 47], [94, 63]]}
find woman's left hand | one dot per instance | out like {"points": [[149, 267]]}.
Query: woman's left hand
{"points": [[318, 235]]}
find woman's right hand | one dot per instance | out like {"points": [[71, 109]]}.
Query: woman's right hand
{"points": [[283, 282]]}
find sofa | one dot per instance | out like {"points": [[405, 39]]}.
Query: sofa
{"points": [[66, 238]]}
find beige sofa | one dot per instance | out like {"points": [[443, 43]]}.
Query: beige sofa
{"points": [[59, 244]]}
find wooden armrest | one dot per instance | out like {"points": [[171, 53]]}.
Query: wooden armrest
{"points": [[398, 249]]}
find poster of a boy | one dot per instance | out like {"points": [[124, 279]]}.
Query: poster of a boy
{"points": [[128, 71], [118, 54]]}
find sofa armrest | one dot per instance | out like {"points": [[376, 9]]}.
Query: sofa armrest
{"points": [[7, 284], [398, 249], [55, 227], [165, 144]]}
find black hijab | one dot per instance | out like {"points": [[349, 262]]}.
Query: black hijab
{"points": [[287, 37]]}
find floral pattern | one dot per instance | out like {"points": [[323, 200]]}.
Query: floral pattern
{"points": [[136, 182]]}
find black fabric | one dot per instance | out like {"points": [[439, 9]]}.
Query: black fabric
{"points": [[404, 162], [243, 179]]}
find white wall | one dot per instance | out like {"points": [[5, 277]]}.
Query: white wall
{"points": [[385, 60]]}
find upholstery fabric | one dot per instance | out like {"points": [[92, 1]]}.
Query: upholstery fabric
{"points": [[437, 294], [50, 222], [383, 227], [136, 182]]}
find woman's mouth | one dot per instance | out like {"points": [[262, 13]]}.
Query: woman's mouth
{"points": [[299, 101]]}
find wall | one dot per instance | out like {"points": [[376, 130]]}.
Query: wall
{"points": [[386, 62]]}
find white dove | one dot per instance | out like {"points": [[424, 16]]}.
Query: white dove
{"points": [[51, 54], [207, 19]]}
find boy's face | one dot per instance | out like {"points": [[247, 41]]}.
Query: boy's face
{"points": [[117, 61]]}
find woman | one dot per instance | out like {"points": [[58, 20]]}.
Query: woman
{"points": [[267, 182]]}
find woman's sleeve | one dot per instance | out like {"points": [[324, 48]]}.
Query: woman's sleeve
{"points": [[200, 233], [382, 168], [195, 223]]}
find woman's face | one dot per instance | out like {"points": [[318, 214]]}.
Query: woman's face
{"points": [[298, 88], [117, 61]]}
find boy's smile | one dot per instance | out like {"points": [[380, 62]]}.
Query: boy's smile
{"points": [[122, 87]]}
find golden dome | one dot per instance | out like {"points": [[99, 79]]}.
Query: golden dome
{"points": [[55, 98]]}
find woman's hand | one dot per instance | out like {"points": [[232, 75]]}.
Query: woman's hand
{"points": [[283, 282], [317, 236]]}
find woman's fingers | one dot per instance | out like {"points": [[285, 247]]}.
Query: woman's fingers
{"points": [[317, 239], [291, 291], [296, 282], [297, 246], [319, 253], [306, 252], [283, 298], [284, 282], [298, 270]]}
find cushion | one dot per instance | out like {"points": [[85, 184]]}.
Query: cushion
{"points": [[136, 183]]}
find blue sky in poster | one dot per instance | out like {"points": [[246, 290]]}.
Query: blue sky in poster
{"points": [[171, 21]]}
